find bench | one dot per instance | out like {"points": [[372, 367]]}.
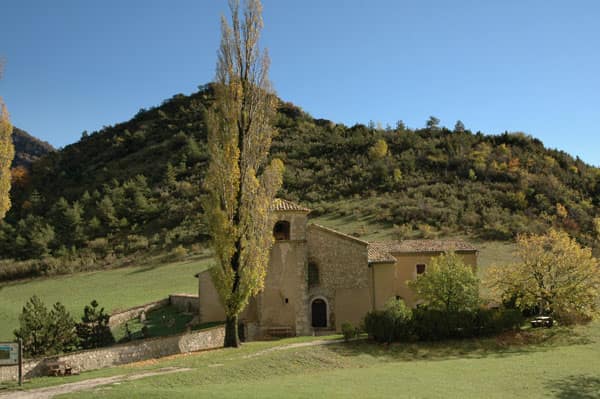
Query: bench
{"points": [[542, 321], [280, 332], [56, 369]]}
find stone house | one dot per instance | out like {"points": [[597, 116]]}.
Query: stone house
{"points": [[319, 278]]}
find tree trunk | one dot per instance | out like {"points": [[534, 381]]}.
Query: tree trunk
{"points": [[232, 339]]}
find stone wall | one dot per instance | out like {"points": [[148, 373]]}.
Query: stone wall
{"points": [[131, 313], [342, 260], [134, 351], [185, 302], [344, 281]]}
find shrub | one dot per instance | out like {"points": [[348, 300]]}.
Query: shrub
{"points": [[434, 325], [392, 324], [179, 253], [349, 331], [398, 323]]}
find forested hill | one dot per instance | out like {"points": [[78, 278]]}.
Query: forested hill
{"points": [[135, 186], [28, 148]]}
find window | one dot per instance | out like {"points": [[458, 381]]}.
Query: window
{"points": [[398, 298], [313, 274], [420, 268], [281, 231]]}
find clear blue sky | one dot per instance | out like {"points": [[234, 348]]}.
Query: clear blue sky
{"points": [[531, 66]]}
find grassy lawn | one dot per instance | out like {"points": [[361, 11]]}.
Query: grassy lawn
{"points": [[159, 322], [113, 289], [555, 363]]}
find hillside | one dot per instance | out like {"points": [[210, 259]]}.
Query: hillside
{"points": [[135, 186], [28, 149]]}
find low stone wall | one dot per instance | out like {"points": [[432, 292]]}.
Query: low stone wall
{"points": [[185, 302], [122, 354], [131, 313]]}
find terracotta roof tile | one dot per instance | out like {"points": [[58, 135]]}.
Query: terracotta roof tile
{"points": [[379, 254], [280, 204], [383, 251], [408, 246]]}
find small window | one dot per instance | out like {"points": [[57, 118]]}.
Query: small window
{"points": [[281, 231], [313, 274], [420, 268], [398, 298]]}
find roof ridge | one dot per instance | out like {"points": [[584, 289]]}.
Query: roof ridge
{"points": [[280, 204], [339, 233]]}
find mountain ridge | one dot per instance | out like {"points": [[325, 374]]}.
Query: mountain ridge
{"points": [[136, 185], [28, 148]]}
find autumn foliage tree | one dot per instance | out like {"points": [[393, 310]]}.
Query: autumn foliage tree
{"points": [[240, 182], [555, 275], [448, 285], [7, 153]]}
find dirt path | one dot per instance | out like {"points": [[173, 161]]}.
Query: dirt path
{"points": [[50, 392]]}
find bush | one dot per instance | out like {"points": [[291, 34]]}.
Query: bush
{"points": [[434, 325], [392, 324], [179, 253], [349, 331], [428, 324]]}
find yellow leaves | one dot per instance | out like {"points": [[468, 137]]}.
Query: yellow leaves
{"points": [[7, 153], [379, 150], [597, 227], [20, 176], [397, 176], [561, 211], [513, 165], [555, 273], [240, 186]]}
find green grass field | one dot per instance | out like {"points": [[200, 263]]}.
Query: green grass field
{"points": [[554, 363], [113, 289]]}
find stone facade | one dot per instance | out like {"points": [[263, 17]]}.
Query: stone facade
{"points": [[130, 352], [341, 262], [319, 278]]}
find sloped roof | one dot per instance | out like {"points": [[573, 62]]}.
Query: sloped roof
{"points": [[412, 246], [280, 204], [338, 233], [378, 254]]}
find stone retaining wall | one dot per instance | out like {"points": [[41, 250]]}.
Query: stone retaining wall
{"points": [[185, 302], [130, 352], [131, 313]]}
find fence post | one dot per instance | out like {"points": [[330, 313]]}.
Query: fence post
{"points": [[20, 362]]}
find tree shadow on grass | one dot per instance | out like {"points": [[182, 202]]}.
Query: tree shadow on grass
{"points": [[576, 387], [505, 345]]}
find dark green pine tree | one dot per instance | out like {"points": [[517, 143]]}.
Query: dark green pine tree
{"points": [[93, 331]]}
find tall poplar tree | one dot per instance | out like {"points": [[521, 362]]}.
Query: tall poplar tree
{"points": [[7, 153], [240, 182]]}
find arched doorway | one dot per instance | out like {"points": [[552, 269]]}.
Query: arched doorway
{"points": [[319, 313]]}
